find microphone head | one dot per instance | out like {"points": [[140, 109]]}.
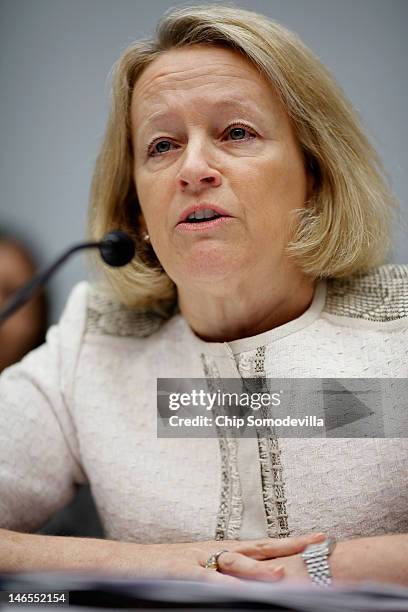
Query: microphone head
{"points": [[117, 248]]}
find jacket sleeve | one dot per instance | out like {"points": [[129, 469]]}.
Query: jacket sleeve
{"points": [[39, 455]]}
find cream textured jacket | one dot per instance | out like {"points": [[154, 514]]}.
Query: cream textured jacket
{"points": [[82, 408]]}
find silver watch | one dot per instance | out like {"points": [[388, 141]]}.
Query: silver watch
{"points": [[316, 557]]}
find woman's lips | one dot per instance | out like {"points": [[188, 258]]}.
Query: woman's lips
{"points": [[203, 225]]}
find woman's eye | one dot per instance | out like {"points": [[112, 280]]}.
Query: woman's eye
{"points": [[158, 146], [237, 132], [162, 146]]}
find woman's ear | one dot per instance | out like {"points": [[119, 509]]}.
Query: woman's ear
{"points": [[310, 185], [312, 178], [141, 223]]}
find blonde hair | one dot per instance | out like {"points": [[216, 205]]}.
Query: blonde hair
{"points": [[346, 225]]}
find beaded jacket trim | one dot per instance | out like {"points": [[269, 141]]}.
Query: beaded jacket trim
{"points": [[273, 490], [381, 295], [231, 506], [106, 315]]}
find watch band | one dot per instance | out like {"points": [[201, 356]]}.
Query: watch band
{"points": [[316, 557]]}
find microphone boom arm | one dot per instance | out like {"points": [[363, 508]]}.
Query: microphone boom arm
{"points": [[116, 249], [22, 296]]}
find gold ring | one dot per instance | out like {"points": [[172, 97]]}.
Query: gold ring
{"points": [[212, 562]]}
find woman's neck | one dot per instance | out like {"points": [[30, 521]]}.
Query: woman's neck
{"points": [[217, 316]]}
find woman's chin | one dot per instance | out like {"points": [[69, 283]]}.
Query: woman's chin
{"points": [[208, 270], [210, 263]]}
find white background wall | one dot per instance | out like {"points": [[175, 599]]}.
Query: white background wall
{"points": [[55, 56]]}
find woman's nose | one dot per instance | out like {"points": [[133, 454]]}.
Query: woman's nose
{"points": [[197, 174]]}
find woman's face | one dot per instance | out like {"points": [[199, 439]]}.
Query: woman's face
{"points": [[208, 130]]}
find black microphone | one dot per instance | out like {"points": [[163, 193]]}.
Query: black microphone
{"points": [[116, 249]]}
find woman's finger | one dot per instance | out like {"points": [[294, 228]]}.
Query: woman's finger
{"points": [[241, 566], [271, 548], [217, 577]]}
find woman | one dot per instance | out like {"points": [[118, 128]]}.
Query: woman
{"points": [[227, 115]]}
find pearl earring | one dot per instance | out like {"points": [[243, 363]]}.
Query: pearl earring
{"points": [[146, 237]]}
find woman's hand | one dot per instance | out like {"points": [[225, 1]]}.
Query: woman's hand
{"points": [[272, 559], [284, 568], [251, 559]]}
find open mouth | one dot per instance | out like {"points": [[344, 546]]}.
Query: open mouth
{"points": [[201, 216], [201, 220]]}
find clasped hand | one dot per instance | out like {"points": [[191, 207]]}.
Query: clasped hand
{"points": [[269, 559]]}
